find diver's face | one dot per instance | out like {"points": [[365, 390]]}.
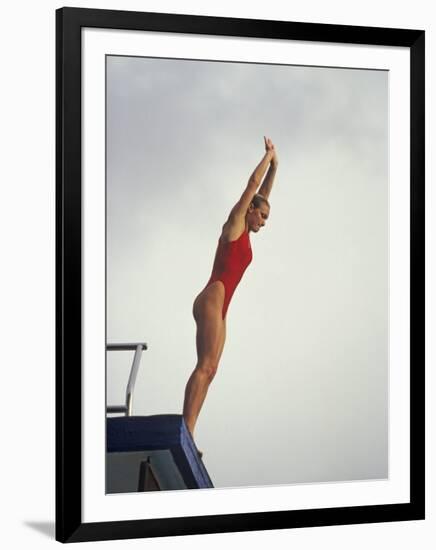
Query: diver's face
{"points": [[256, 217]]}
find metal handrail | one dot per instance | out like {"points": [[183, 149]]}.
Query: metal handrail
{"points": [[127, 408]]}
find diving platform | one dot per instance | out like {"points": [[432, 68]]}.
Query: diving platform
{"points": [[146, 453], [149, 453]]}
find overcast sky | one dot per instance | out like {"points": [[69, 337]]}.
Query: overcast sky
{"points": [[301, 390]]}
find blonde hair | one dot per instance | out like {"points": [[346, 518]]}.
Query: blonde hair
{"points": [[258, 199]]}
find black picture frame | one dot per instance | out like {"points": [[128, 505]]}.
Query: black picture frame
{"points": [[69, 524]]}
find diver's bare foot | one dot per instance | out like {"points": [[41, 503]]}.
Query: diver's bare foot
{"points": [[200, 453]]}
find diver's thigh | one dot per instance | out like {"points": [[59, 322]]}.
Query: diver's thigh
{"points": [[222, 340], [209, 333]]}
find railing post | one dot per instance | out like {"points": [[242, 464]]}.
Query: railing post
{"points": [[127, 408]]}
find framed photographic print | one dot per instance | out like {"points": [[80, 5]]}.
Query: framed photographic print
{"points": [[240, 250]]}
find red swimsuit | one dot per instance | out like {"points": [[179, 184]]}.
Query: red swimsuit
{"points": [[231, 260]]}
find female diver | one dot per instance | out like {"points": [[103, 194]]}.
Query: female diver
{"points": [[233, 255]]}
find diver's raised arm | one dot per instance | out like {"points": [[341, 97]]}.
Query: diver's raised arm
{"points": [[241, 207], [267, 183]]}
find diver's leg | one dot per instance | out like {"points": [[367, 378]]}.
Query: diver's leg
{"points": [[222, 341], [210, 342]]}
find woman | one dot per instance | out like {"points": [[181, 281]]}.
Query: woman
{"points": [[233, 255]]}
